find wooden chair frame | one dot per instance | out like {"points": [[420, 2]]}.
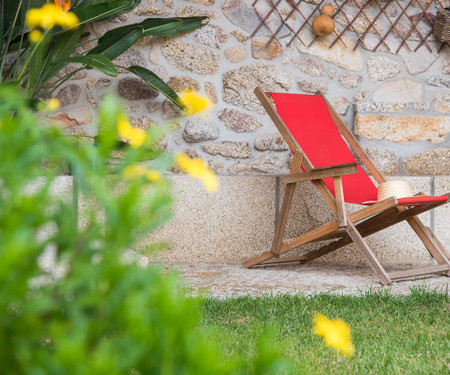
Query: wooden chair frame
{"points": [[347, 228]]}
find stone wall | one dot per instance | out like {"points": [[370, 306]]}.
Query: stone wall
{"points": [[397, 104]]}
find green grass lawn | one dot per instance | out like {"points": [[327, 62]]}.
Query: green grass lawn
{"points": [[391, 334]]}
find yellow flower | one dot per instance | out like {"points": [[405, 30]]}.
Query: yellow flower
{"points": [[35, 35], [135, 136], [336, 334], [199, 169], [49, 16], [135, 171], [53, 104], [154, 176], [63, 5], [195, 102]]}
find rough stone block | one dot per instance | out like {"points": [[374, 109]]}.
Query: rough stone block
{"points": [[211, 35], [387, 162], [382, 107], [238, 85], [402, 128], [270, 164], [187, 56], [403, 91], [69, 94], [237, 150], [441, 101], [239, 121], [350, 81], [432, 162], [190, 11], [183, 84], [381, 68], [309, 66], [340, 55], [235, 54], [260, 49], [312, 86], [73, 117]]}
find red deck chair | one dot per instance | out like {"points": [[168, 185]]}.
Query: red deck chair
{"points": [[315, 134]]}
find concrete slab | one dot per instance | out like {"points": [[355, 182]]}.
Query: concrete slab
{"points": [[235, 223], [223, 280]]}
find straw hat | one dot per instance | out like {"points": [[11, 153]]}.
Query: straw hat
{"points": [[397, 189]]}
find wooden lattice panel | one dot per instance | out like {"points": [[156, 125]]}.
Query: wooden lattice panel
{"points": [[387, 26]]}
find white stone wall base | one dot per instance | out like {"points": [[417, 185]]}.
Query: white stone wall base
{"points": [[238, 222]]}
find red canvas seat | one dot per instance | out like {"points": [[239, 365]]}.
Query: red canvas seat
{"points": [[309, 121], [320, 143]]}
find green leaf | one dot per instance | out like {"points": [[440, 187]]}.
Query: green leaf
{"points": [[104, 10], [37, 63], [157, 83], [9, 11], [114, 47], [65, 44], [160, 27], [99, 62], [186, 24]]}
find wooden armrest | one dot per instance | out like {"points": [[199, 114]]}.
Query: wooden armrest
{"points": [[319, 173]]}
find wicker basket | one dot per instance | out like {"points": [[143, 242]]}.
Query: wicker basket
{"points": [[442, 25]]}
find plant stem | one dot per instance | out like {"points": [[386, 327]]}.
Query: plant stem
{"points": [[27, 61], [5, 53], [60, 81]]}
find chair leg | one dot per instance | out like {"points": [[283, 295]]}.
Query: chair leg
{"points": [[282, 219], [279, 230], [433, 245], [362, 246], [440, 248], [286, 206]]}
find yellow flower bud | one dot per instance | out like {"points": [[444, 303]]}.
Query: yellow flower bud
{"points": [[53, 104], [35, 35]]}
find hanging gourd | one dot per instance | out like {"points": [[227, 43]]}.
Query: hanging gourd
{"points": [[324, 25]]}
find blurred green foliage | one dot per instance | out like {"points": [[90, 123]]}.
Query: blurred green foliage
{"points": [[89, 312]]}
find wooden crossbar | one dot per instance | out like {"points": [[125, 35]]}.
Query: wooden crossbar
{"points": [[418, 272], [319, 173]]}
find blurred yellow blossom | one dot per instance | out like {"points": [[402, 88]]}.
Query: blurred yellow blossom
{"points": [[336, 334], [63, 5], [49, 16], [133, 171], [136, 170], [199, 169], [154, 176], [135, 136], [53, 104], [195, 103], [35, 35]]}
